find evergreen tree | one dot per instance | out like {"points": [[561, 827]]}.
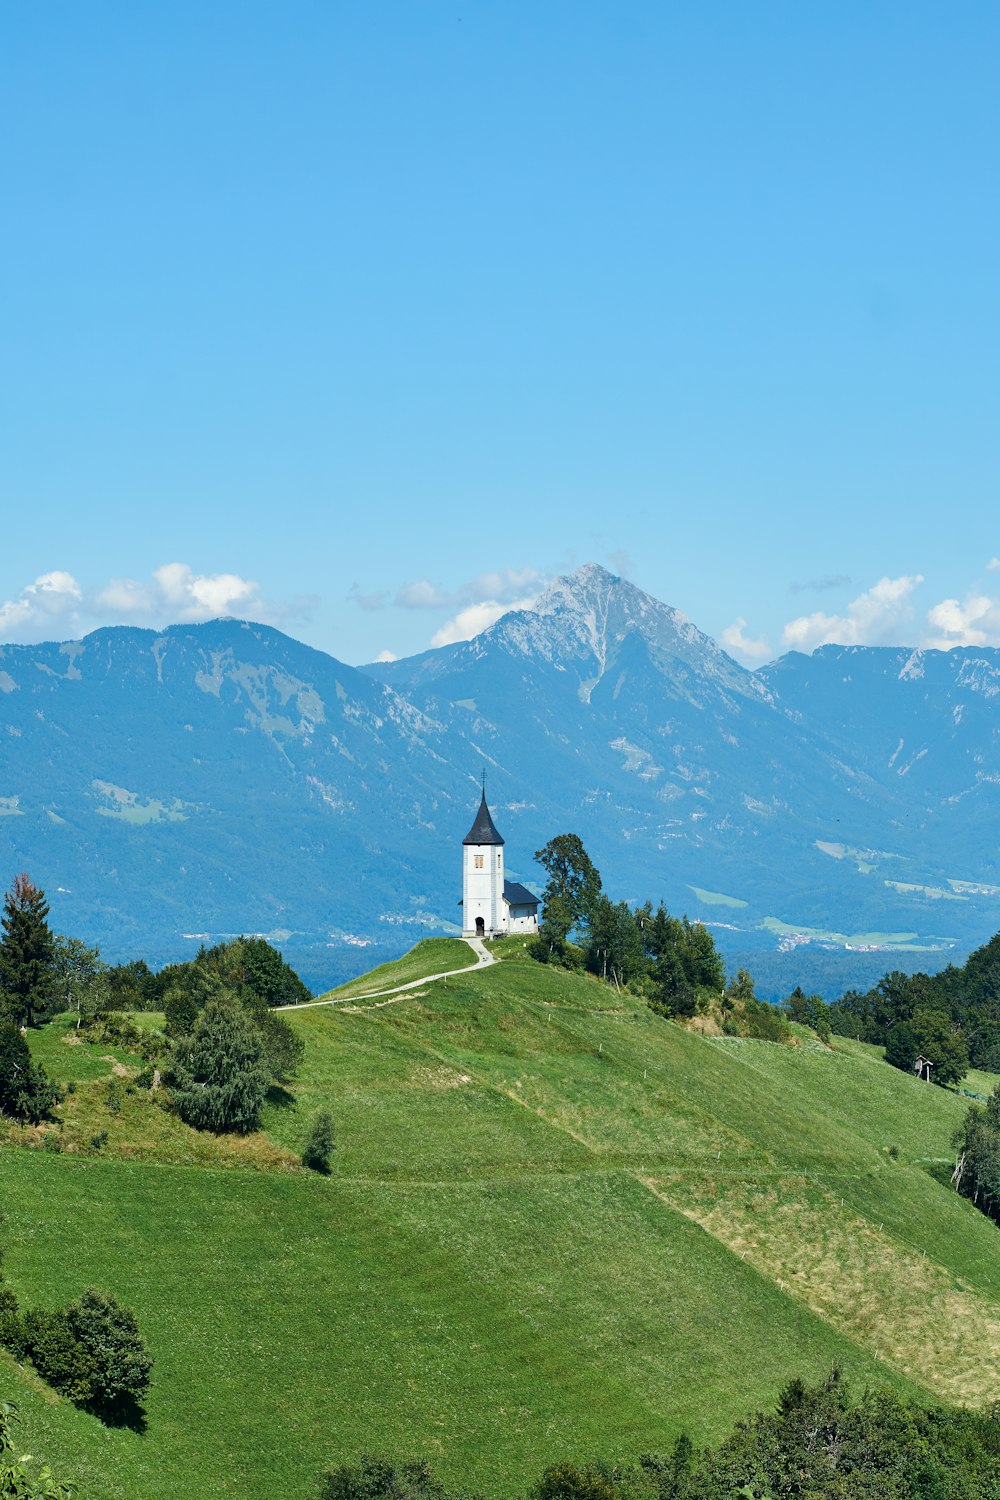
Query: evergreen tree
{"points": [[218, 1078], [26, 1091], [26, 953], [319, 1147]]}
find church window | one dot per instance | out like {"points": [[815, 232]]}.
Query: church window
{"points": [[479, 861]]}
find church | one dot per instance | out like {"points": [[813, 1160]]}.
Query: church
{"points": [[491, 905]]}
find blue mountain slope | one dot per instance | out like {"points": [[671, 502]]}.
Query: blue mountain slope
{"points": [[217, 778], [925, 726], [221, 778]]}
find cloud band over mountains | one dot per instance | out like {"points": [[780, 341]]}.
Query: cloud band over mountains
{"points": [[56, 605]]}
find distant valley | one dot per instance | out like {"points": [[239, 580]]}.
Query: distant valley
{"points": [[829, 816]]}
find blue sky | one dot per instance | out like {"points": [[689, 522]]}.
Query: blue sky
{"points": [[367, 319]]}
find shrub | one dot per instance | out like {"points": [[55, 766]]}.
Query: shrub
{"points": [[58, 1355], [26, 1091], [218, 1080], [108, 1334], [378, 1478], [320, 1144], [15, 1478], [566, 1482]]}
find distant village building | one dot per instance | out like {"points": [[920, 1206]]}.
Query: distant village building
{"points": [[490, 904]]}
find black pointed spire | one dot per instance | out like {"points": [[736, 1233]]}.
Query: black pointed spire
{"points": [[483, 830]]}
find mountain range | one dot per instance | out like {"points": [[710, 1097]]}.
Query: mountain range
{"points": [[830, 816]]}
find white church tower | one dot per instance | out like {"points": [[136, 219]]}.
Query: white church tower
{"points": [[483, 910], [491, 904]]}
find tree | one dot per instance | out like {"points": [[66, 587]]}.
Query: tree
{"points": [[108, 1333], [942, 1043], [218, 1079], [26, 952], [26, 1091], [703, 961], [615, 947], [134, 986], [554, 928], [192, 986], [901, 1047], [79, 977], [319, 1146], [573, 877], [253, 962], [283, 1048]]}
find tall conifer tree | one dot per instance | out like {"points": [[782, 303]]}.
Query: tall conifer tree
{"points": [[27, 953]]}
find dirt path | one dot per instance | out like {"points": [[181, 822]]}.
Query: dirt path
{"points": [[484, 959]]}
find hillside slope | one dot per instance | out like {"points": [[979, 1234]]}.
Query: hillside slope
{"points": [[558, 1225]]}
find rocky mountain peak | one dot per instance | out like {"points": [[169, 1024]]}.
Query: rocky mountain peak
{"points": [[588, 616]]}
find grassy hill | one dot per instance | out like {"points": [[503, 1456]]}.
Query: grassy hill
{"points": [[557, 1226]]}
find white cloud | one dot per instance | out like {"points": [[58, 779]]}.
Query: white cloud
{"points": [[55, 604], [881, 615], [735, 639], [974, 623], [201, 596], [476, 618], [34, 612], [502, 587], [993, 564], [387, 656]]}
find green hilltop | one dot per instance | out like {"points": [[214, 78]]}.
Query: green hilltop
{"points": [[558, 1225]]}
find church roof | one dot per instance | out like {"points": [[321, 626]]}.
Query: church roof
{"points": [[483, 830], [516, 894]]}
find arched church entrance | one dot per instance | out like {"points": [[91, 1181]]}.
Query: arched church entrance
{"points": [[480, 927]]}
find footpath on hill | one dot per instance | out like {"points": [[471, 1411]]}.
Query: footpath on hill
{"points": [[484, 959]]}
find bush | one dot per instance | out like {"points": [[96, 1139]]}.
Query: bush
{"points": [[566, 1482], [320, 1144], [217, 1079], [381, 1479], [26, 1091], [15, 1478], [58, 1355], [108, 1334], [91, 1351]]}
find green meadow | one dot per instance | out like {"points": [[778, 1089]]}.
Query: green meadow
{"points": [[557, 1226]]}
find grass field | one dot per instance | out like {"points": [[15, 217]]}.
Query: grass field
{"points": [[557, 1225]]}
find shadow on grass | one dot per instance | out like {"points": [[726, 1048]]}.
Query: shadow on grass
{"points": [[125, 1413], [280, 1097]]}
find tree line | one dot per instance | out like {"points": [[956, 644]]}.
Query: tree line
{"points": [[822, 1442], [669, 961], [223, 1046], [952, 1018]]}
